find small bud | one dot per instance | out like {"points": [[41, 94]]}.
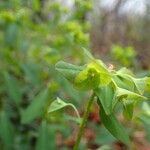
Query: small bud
{"points": [[111, 67]]}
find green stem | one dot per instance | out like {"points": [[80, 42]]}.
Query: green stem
{"points": [[84, 122]]}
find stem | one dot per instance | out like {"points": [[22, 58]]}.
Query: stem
{"points": [[84, 122], [76, 111]]}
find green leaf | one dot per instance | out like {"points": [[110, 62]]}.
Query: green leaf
{"points": [[114, 126], [35, 109], [123, 82], [46, 138], [146, 108], [128, 106], [105, 76], [131, 83], [6, 131], [31, 71], [147, 130], [140, 84], [125, 71], [97, 62], [69, 71], [59, 104], [148, 84], [92, 76], [144, 117], [75, 94], [125, 94], [87, 79], [13, 88], [71, 118], [104, 137], [106, 95], [88, 54]]}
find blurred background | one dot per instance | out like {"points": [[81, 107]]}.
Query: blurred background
{"points": [[34, 35]]}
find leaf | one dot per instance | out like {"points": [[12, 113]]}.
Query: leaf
{"points": [[35, 109], [114, 126], [125, 71], [148, 84], [104, 137], [71, 118], [59, 104], [32, 73], [140, 84], [96, 62], [128, 109], [146, 108], [72, 92], [87, 79], [125, 94], [6, 131], [105, 76], [106, 95], [147, 131], [128, 88], [46, 138], [88, 54], [144, 117], [124, 82], [92, 76], [13, 88], [131, 83], [69, 71]]}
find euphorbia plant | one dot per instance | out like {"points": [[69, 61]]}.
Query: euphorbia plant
{"points": [[109, 87]]}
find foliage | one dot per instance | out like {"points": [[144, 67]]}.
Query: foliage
{"points": [[144, 118], [34, 35], [111, 87], [125, 55]]}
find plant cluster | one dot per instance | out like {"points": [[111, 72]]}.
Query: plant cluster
{"points": [[125, 55], [110, 88]]}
